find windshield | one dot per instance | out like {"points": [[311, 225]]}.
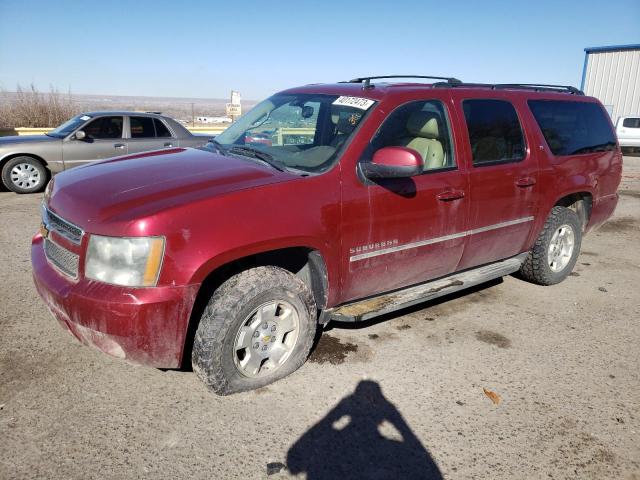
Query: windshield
{"points": [[69, 126], [296, 131]]}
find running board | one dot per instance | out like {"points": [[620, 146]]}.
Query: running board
{"points": [[389, 302]]}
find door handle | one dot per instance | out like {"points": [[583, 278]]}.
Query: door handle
{"points": [[525, 182], [449, 195], [118, 145], [168, 144]]}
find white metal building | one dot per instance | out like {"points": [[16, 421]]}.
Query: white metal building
{"points": [[612, 75]]}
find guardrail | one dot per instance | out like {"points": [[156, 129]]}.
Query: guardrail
{"points": [[213, 130]]}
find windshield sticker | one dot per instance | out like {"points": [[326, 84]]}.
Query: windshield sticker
{"points": [[355, 102], [85, 117]]}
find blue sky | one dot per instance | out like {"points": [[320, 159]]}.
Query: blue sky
{"points": [[207, 48]]}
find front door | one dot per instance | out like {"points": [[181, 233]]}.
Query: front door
{"points": [[103, 140], [503, 174], [398, 232]]}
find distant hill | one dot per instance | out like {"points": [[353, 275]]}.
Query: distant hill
{"points": [[176, 107]]}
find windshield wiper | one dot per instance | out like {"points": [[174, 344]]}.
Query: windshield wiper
{"points": [[260, 155], [221, 148]]}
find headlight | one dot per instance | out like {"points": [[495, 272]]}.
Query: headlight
{"points": [[132, 262]]}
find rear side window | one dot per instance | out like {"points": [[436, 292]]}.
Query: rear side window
{"points": [[161, 129], [572, 128], [494, 131], [631, 123], [142, 127]]}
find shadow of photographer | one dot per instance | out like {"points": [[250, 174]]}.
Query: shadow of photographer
{"points": [[364, 436]]}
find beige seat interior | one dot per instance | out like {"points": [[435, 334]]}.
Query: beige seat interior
{"points": [[425, 139], [343, 128]]}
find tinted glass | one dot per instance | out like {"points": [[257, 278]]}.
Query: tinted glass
{"points": [[104, 127], [572, 128], [422, 126], [142, 127], [161, 129], [494, 131], [631, 123]]}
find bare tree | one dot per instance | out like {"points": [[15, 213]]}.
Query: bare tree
{"points": [[27, 107]]}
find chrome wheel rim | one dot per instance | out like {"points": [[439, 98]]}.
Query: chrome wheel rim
{"points": [[266, 339], [25, 175], [561, 248]]}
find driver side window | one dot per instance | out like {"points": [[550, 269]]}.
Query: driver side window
{"points": [[104, 128], [422, 126]]}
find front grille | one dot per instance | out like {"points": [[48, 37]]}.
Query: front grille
{"points": [[61, 258], [61, 226]]}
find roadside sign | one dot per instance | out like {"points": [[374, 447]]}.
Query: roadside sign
{"points": [[234, 110]]}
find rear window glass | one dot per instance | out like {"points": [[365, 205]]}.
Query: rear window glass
{"points": [[572, 128], [494, 131], [142, 127], [631, 123]]}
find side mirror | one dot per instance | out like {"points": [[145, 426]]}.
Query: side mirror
{"points": [[394, 162], [80, 135]]}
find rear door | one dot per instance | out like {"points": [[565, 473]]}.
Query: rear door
{"points": [[103, 140], [148, 133], [503, 176], [399, 232]]}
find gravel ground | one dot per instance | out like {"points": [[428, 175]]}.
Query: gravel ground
{"points": [[509, 381]]}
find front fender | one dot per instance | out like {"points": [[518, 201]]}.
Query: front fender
{"points": [[244, 251]]}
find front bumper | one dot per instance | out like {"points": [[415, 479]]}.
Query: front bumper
{"points": [[143, 325]]}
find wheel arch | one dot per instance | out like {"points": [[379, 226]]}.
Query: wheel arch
{"points": [[580, 202], [307, 263], [8, 157]]}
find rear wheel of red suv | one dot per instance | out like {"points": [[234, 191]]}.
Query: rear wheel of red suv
{"points": [[258, 327], [556, 250]]}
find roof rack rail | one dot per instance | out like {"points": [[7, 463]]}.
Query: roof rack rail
{"points": [[536, 87], [366, 81]]}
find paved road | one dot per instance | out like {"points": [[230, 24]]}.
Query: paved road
{"points": [[401, 398]]}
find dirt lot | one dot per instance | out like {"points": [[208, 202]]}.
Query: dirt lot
{"points": [[401, 398]]}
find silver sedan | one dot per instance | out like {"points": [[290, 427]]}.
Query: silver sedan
{"points": [[27, 162]]}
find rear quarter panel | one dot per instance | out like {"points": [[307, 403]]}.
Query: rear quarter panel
{"points": [[598, 174]]}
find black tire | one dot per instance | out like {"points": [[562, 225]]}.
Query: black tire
{"points": [[536, 267], [39, 168], [213, 355]]}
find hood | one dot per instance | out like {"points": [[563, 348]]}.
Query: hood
{"points": [[128, 188], [27, 139]]}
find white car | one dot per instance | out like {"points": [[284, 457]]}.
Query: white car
{"points": [[628, 132]]}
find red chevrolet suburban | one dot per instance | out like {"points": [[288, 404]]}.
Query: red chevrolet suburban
{"points": [[367, 197]]}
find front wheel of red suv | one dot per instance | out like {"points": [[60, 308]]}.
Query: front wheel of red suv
{"points": [[258, 327], [556, 250]]}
